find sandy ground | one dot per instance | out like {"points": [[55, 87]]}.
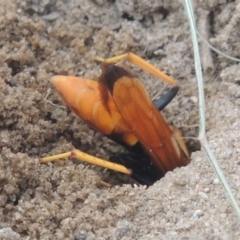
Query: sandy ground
{"points": [[64, 200]]}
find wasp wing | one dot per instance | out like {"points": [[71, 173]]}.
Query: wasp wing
{"points": [[143, 119], [93, 103]]}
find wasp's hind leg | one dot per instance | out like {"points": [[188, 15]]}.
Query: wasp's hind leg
{"points": [[138, 61], [89, 159]]}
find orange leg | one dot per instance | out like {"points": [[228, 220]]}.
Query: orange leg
{"points": [[138, 61], [90, 159]]}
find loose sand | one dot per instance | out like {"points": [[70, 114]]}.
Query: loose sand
{"points": [[64, 200]]}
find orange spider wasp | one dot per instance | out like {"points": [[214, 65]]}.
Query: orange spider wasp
{"points": [[119, 106]]}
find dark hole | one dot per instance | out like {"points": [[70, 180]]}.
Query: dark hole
{"points": [[127, 17], [49, 118], [238, 82], [30, 11], [86, 18], [88, 42], [9, 83], [15, 66], [163, 11], [211, 21]]}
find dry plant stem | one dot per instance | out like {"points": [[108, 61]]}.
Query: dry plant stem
{"points": [[206, 53], [202, 128], [105, 184]]}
